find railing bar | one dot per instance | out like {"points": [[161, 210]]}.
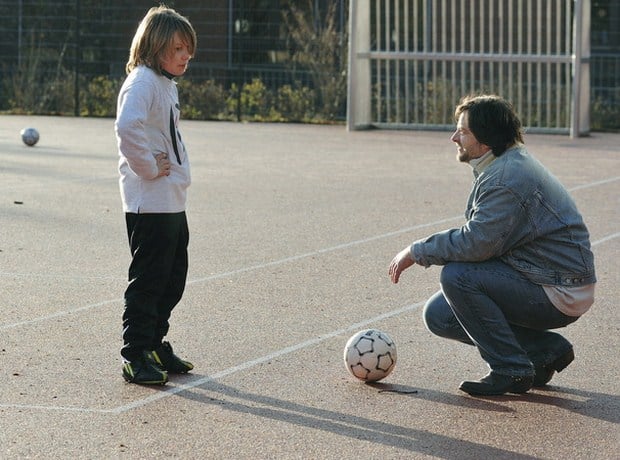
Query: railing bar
{"points": [[569, 4], [528, 67], [416, 47], [407, 79], [481, 44], [472, 44], [425, 48], [501, 49], [470, 57], [520, 71], [397, 64], [378, 70], [388, 83], [452, 48], [463, 49], [548, 67]]}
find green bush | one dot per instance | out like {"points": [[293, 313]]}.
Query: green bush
{"points": [[295, 104], [32, 90], [255, 101], [201, 100], [605, 116], [99, 99]]}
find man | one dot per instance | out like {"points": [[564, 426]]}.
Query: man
{"points": [[519, 266]]}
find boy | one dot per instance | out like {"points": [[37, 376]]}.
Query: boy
{"points": [[154, 176]]}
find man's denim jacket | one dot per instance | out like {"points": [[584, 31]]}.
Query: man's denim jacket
{"points": [[520, 213]]}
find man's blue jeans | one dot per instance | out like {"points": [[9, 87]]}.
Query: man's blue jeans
{"points": [[492, 306]]}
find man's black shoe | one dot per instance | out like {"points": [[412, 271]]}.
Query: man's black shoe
{"points": [[545, 372], [144, 371], [170, 362], [497, 384]]}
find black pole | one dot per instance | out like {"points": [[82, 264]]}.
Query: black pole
{"points": [[20, 14], [78, 52]]}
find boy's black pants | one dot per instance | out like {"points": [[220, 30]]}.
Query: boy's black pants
{"points": [[157, 276]]}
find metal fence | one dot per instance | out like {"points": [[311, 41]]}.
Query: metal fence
{"points": [[68, 56], [412, 60]]}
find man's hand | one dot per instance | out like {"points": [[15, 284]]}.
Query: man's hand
{"points": [[401, 262]]}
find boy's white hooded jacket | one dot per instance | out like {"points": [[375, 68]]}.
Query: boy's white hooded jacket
{"points": [[146, 124]]}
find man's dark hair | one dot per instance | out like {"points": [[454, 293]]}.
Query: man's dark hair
{"points": [[492, 120]]}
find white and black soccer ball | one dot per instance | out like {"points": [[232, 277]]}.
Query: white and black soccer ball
{"points": [[30, 136], [370, 355]]}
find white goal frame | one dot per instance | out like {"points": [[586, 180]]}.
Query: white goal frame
{"points": [[410, 61]]}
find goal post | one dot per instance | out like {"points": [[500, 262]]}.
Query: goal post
{"points": [[358, 86], [410, 61]]}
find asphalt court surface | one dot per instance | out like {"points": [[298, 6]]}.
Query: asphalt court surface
{"points": [[292, 230]]}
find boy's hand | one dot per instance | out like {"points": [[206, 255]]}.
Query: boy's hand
{"points": [[163, 164]]}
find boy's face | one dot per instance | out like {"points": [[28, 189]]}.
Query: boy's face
{"points": [[177, 58]]}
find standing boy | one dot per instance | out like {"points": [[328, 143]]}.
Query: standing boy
{"points": [[154, 176]]}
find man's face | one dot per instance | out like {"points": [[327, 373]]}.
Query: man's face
{"points": [[468, 146], [176, 60]]}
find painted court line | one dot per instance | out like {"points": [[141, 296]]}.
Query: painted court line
{"points": [[58, 314], [594, 184], [57, 180], [605, 239], [240, 367], [284, 351], [233, 272], [170, 391], [321, 251], [282, 261], [263, 359]]}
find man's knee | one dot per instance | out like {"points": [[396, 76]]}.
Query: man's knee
{"points": [[434, 314], [450, 273]]}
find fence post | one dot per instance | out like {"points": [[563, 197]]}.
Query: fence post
{"points": [[580, 110], [78, 60], [358, 87]]}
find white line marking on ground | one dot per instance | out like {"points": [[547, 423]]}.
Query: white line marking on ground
{"points": [[284, 351], [62, 277], [320, 251], [605, 239], [266, 358], [243, 366], [225, 372], [59, 314], [594, 184], [285, 260], [57, 180], [235, 272], [83, 410]]}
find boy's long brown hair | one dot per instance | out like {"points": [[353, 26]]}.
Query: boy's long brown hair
{"points": [[154, 37]]}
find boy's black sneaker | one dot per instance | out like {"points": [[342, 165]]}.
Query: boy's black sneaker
{"points": [[144, 371], [168, 361]]}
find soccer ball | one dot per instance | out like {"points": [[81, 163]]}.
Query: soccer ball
{"points": [[370, 355], [30, 136]]}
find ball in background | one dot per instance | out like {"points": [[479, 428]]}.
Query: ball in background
{"points": [[370, 355], [30, 136]]}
